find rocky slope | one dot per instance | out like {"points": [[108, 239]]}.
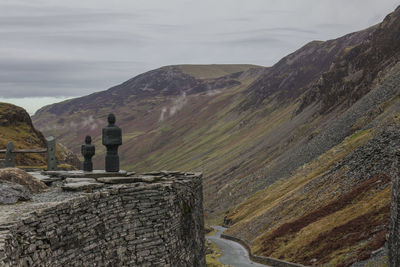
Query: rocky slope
{"points": [[16, 126], [334, 208], [293, 155]]}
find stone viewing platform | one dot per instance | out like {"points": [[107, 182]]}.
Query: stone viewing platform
{"points": [[107, 219]]}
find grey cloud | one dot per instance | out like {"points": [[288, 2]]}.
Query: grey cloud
{"points": [[330, 26], [287, 29], [163, 26], [99, 38], [274, 30], [96, 38], [33, 78], [59, 20], [252, 41], [75, 47]]}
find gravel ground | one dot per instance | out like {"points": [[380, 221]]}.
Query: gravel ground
{"points": [[9, 213]]}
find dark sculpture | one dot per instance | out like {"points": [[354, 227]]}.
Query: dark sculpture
{"points": [[88, 150], [112, 138]]}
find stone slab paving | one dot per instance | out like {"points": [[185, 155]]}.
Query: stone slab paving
{"points": [[79, 180], [82, 174], [81, 186], [132, 179], [45, 178]]}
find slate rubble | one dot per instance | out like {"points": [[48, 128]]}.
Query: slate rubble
{"points": [[11, 193]]}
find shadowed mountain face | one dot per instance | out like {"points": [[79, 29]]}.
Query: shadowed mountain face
{"points": [[358, 67], [279, 146], [292, 75]]}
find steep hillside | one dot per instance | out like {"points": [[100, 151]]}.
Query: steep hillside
{"points": [[293, 155], [334, 208], [16, 126], [358, 67]]}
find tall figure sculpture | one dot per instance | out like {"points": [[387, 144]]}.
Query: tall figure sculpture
{"points": [[112, 138], [88, 150]]}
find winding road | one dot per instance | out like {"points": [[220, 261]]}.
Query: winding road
{"points": [[232, 253]]}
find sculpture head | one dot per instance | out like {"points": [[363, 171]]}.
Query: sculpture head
{"points": [[88, 140], [111, 119]]}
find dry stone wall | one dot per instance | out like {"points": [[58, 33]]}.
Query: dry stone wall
{"points": [[136, 224]]}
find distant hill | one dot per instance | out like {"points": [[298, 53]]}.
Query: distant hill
{"points": [[293, 155]]}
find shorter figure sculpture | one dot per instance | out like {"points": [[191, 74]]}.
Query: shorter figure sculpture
{"points": [[88, 150], [112, 138]]}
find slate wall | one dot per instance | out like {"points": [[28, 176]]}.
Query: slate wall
{"points": [[138, 224]]}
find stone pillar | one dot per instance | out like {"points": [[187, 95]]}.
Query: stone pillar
{"points": [[51, 153], [394, 234], [10, 159]]}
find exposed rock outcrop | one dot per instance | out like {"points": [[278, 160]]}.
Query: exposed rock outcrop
{"points": [[11, 193], [18, 176], [17, 185]]}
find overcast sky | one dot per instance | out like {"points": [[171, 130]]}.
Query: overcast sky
{"points": [[51, 50]]}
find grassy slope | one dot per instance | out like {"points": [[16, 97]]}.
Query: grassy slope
{"points": [[291, 232], [325, 212], [321, 214], [20, 133], [16, 127]]}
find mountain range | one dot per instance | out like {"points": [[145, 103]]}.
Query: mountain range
{"points": [[296, 157]]}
